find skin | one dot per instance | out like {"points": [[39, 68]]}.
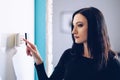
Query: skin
{"points": [[31, 50], [79, 31], [80, 28]]}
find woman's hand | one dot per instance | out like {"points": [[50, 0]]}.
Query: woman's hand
{"points": [[31, 50]]}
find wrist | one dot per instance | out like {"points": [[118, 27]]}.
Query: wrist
{"points": [[38, 61]]}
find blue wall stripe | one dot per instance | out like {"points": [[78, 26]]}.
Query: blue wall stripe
{"points": [[40, 28]]}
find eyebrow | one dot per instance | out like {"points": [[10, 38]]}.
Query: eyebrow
{"points": [[78, 22]]}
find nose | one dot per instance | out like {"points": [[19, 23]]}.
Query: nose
{"points": [[74, 31]]}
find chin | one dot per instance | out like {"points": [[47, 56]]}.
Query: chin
{"points": [[78, 42]]}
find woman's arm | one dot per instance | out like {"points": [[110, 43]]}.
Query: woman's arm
{"points": [[58, 72], [41, 72]]}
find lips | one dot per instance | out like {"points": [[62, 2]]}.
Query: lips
{"points": [[76, 37]]}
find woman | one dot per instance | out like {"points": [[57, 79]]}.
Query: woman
{"points": [[90, 57]]}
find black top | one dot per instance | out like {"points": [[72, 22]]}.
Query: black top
{"points": [[74, 67]]}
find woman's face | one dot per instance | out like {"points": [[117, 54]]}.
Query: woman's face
{"points": [[80, 28]]}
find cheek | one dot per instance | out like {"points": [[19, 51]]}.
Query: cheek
{"points": [[83, 35], [83, 32]]}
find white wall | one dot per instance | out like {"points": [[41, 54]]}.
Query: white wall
{"points": [[62, 40], [16, 16]]}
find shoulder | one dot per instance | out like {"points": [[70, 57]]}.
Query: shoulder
{"points": [[64, 57], [113, 60], [67, 52], [113, 67]]}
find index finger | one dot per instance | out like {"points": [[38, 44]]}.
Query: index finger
{"points": [[32, 45]]}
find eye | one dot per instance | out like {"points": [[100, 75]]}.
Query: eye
{"points": [[80, 25]]}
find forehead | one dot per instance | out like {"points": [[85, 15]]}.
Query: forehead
{"points": [[79, 18]]}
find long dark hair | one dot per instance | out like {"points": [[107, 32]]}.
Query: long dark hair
{"points": [[98, 40]]}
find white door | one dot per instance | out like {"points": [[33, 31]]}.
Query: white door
{"points": [[16, 16]]}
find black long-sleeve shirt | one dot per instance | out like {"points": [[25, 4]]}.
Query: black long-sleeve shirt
{"points": [[74, 67]]}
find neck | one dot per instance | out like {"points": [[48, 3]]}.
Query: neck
{"points": [[86, 51]]}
